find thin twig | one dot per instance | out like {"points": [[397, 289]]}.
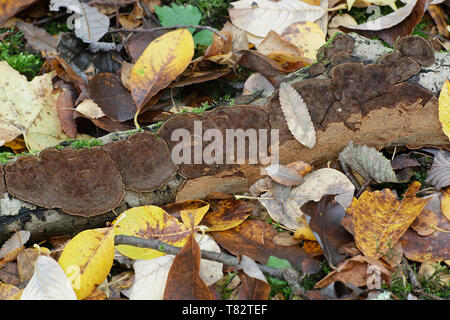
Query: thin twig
{"points": [[209, 255], [349, 175], [364, 186], [171, 27]]}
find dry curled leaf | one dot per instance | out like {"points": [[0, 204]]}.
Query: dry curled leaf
{"points": [[297, 115]]}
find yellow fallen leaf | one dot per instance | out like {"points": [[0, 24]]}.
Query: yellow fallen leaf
{"points": [[87, 259], [196, 214], [149, 222], [307, 36], [444, 108], [162, 61], [379, 219], [304, 233]]}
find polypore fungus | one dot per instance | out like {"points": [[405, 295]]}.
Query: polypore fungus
{"points": [[200, 140], [416, 47], [82, 182], [143, 160]]}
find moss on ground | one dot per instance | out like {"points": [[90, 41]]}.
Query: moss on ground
{"points": [[12, 50]]}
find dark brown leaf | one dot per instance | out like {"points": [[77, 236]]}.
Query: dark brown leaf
{"points": [[254, 239], [325, 221], [107, 90], [184, 281]]}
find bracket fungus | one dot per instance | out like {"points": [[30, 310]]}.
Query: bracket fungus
{"points": [[417, 48], [143, 160], [82, 182], [217, 128]]}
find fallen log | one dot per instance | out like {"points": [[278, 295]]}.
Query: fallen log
{"points": [[356, 91]]}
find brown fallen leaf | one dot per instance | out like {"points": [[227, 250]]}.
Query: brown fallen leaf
{"points": [[65, 109], [112, 97], [355, 271], [260, 63], [254, 285], [325, 220], [228, 214], [438, 15], [254, 239], [433, 247], [184, 281], [424, 223]]}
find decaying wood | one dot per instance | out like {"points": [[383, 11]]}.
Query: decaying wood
{"points": [[351, 94]]}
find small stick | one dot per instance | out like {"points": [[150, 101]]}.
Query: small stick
{"points": [[364, 186], [209, 255], [349, 175], [171, 27]]}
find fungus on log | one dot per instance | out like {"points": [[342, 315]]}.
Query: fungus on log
{"points": [[82, 182], [143, 160]]}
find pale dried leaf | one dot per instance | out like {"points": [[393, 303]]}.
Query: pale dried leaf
{"points": [[315, 186], [268, 15], [284, 175], [251, 269], [49, 282], [90, 109], [16, 241], [38, 38], [297, 115], [90, 25]]}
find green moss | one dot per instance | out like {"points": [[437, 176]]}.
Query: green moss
{"points": [[12, 50], [56, 26], [78, 144], [6, 157]]}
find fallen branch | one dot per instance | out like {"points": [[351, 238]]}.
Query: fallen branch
{"points": [[171, 27]]}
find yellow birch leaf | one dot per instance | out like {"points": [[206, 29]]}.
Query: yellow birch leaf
{"points": [[307, 36], [149, 222], [164, 59], [197, 214], [444, 108], [87, 259], [379, 219]]}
